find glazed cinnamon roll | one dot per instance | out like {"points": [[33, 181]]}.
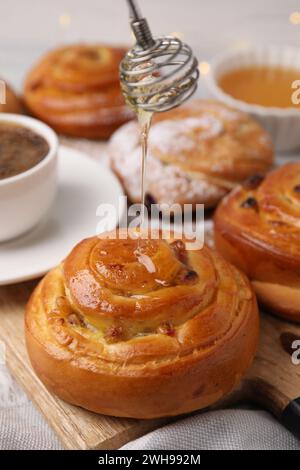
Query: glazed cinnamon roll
{"points": [[257, 227], [197, 153], [76, 90], [141, 327]]}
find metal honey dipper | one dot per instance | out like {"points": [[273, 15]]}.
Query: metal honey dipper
{"points": [[156, 74]]}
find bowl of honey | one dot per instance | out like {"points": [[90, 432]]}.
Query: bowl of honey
{"points": [[265, 83]]}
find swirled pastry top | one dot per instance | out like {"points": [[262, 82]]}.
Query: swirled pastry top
{"points": [[138, 327], [76, 90], [197, 152], [138, 301], [266, 214]]}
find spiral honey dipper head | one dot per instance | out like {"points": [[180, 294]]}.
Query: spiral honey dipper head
{"points": [[157, 74], [141, 328]]}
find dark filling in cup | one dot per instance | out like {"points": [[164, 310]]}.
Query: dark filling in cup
{"points": [[20, 149]]}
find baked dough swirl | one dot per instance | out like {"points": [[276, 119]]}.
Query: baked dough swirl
{"points": [[257, 227], [141, 328], [197, 153], [76, 90]]}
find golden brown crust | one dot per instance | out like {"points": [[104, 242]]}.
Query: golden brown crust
{"points": [[76, 90], [13, 103], [257, 228], [141, 328], [197, 153]]}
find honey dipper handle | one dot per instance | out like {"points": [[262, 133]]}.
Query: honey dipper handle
{"points": [[134, 12]]}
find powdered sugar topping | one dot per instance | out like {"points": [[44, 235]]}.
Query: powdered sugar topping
{"points": [[183, 135], [168, 183]]}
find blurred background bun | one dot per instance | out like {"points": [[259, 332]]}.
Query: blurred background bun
{"points": [[13, 103], [76, 90]]}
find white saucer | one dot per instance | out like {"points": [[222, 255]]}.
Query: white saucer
{"points": [[83, 185]]}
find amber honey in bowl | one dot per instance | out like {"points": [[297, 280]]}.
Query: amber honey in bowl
{"points": [[268, 86], [20, 149]]}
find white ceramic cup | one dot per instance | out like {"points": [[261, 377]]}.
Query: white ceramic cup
{"points": [[283, 124], [26, 197]]}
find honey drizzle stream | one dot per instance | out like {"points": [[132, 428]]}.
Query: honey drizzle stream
{"points": [[144, 118]]}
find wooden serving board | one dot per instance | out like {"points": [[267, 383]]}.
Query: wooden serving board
{"points": [[273, 381]]}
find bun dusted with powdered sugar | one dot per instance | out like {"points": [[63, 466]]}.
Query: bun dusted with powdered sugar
{"points": [[197, 153]]}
